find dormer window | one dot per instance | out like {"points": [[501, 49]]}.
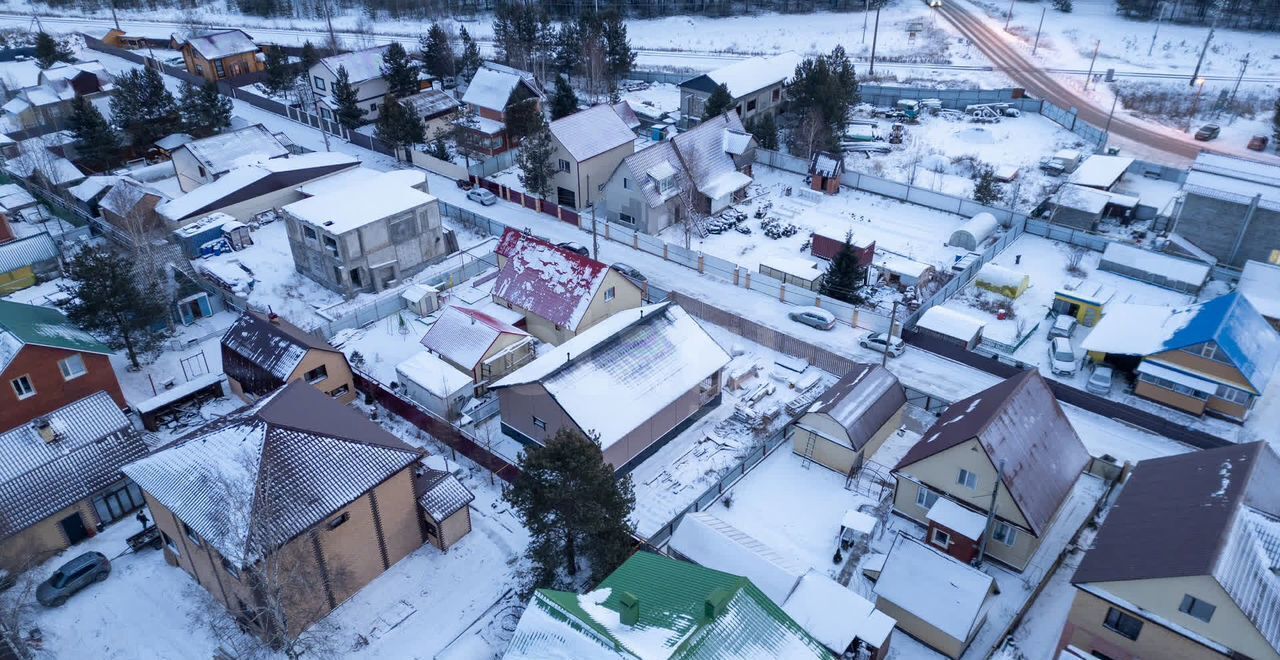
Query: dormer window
{"points": [[666, 183]]}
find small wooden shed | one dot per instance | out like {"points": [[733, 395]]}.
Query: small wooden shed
{"points": [[825, 169], [827, 243], [851, 419]]}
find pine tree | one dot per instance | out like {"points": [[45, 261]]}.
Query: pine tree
{"points": [[109, 302], [308, 58], [437, 52], [439, 147], [822, 91], [1063, 6], [619, 56], [470, 60], [537, 173], [572, 504], [718, 103], [523, 114], [204, 111], [765, 131], [49, 51], [564, 102], [399, 125], [986, 190], [399, 71], [845, 275], [143, 107], [97, 142], [280, 75], [348, 112]]}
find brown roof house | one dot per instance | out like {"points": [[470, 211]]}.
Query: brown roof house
{"points": [[560, 293], [261, 352], [286, 509], [488, 95], [478, 344], [633, 382], [47, 363], [206, 160], [130, 205], [1010, 442], [60, 478], [850, 421], [1185, 564], [224, 54]]}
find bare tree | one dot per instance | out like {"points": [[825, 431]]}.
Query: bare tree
{"points": [[17, 603], [689, 214]]}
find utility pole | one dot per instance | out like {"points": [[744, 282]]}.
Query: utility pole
{"points": [[893, 317], [114, 17], [1196, 74], [1244, 64], [1159, 18], [1089, 76], [1008, 17], [875, 36], [1043, 10], [1106, 132], [1195, 105], [866, 11]]}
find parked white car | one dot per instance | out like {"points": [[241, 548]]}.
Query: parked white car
{"points": [[482, 196], [815, 317], [1063, 326], [883, 343], [1100, 380], [1062, 358]]}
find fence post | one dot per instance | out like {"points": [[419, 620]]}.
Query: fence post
{"points": [[702, 259], [635, 241], [666, 252], [782, 292], [735, 275], [748, 279]]}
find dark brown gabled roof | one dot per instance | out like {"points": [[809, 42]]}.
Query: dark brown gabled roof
{"points": [[271, 342], [1174, 514], [862, 401], [1018, 423]]}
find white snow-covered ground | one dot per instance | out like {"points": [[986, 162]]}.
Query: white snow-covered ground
{"points": [[657, 99]]}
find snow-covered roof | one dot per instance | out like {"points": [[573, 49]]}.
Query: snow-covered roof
{"points": [[361, 65], [1098, 171], [861, 402], [251, 481], [1260, 283], [125, 196], [939, 590], [711, 168], [626, 114], [442, 493], [548, 281], [714, 543], [798, 267], [1169, 267], [464, 335], [492, 86], [591, 132], [218, 219], [1001, 276], [38, 478], [349, 179], [217, 45], [899, 265], [91, 187], [950, 322], [724, 183], [226, 151], [834, 615], [1130, 329], [735, 142], [654, 163], [245, 183], [756, 73], [1237, 168], [37, 325], [1021, 428], [965, 522], [270, 343], [173, 141], [976, 230], [647, 357], [826, 164], [1080, 198], [434, 375], [344, 210], [26, 251], [431, 103], [1231, 189]]}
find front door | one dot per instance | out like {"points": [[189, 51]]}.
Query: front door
{"points": [[73, 527]]}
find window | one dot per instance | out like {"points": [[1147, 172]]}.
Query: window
{"points": [[940, 538], [170, 544], [1123, 624], [926, 497], [230, 568], [1005, 533], [191, 534], [626, 183], [666, 183], [203, 173], [1239, 397], [1172, 386], [373, 107], [355, 277], [564, 165], [309, 234], [319, 82], [751, 105], [1196, 608], [22, 387], [738, 109], [608, 294], [626, 219], [539, 423], [200, 70], [340, 391], [337, 522], [72, 367], [316, 375], [777, 94], [967, 479], [1208, 350], [1274, 258], [217, 66], [331, 245]]}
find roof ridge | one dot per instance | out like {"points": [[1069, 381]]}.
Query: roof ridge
{"points": [[1237, 504]]}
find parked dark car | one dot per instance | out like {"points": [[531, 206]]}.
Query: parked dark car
{"points": [[629, 272], [577, 248], [1208, 132], [72, 577]]}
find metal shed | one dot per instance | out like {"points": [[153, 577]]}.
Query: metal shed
{"points": [[972, 233], [851, 419], [1162, 270]]}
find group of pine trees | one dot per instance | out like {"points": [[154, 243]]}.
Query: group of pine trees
{"points": [[592, 47]]}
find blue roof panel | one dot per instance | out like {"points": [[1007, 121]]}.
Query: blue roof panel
{"points": [[1240, 331]]}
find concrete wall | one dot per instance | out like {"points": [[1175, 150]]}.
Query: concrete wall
{"points": [[693, 103], [1085, 629], [584, 177], [1216, 225], [53, 391], [187, 168]]}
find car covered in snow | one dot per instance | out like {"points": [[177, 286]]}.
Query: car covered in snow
{"points": [[1100, 380], [1062, 358], [815, 317], [884, 343], [574, 247], [629, 272], [482, 197], [1063, 326]]}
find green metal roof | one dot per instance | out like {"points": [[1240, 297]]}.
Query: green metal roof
{"points": [[44, 326], [673, 619]]}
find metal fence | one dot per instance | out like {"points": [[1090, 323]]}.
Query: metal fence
{"points": [[957, 99], [495, 163], [1069, 120]]}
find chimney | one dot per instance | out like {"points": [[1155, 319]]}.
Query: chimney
{"points": [[44, 428], [629, 612], [715, 604]]}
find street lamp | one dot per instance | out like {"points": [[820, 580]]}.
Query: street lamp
{"points": [[1195, 105]]}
